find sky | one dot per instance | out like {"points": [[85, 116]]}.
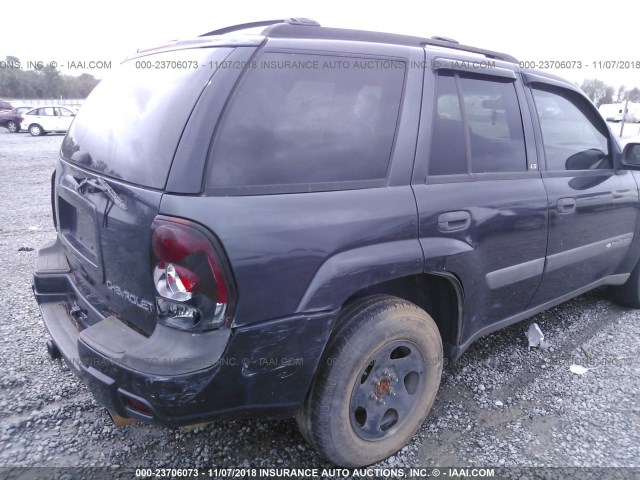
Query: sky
{"points": [[547, 30]]}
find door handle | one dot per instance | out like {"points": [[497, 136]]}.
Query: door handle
{"points": [[454, 221], [566, 205]]}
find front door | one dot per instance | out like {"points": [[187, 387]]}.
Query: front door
{"points": [[593, 209]]}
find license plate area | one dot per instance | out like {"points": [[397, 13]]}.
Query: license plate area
{"points": [[79, 228]]}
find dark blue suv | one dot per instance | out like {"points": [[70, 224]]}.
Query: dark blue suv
{"points": [[304, 222]]}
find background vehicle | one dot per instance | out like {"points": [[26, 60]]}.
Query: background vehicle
{"points": [[42, 120], [5, 106], [612, 112], [310, 233], [11, 120]]}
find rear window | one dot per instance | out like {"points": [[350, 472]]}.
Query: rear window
{"points": [[301, 122], [130, 125]]}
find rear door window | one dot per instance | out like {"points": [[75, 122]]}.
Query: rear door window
{"points": [[477, 126], [302, 122]]}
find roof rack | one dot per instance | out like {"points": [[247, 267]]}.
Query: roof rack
{"points": [[264, 23], [297, 28], [444, 39]]}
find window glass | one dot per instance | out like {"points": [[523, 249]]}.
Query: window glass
{"points": [[303, 119], [574, 136], [495, 126], [156, 102], [492, 121], [448, 154]]}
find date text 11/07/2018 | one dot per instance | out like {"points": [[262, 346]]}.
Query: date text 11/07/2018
{"points": [[579, 64], [370, 472]]}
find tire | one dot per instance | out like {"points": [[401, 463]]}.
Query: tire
{"points": [[377, 384], [36, 130], [13, 127], [628, 294]]}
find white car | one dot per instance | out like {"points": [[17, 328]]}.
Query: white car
{"points": [[42, 120]]}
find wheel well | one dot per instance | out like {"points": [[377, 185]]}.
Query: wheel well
{"points": [[440, 295]]}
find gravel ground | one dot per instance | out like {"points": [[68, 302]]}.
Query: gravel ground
{"points": [[499, 405]]}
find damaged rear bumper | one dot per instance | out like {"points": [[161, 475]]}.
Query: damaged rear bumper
{"points": [[175, 377]]}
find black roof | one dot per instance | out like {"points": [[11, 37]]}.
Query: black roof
{"points": [[310, 29]]}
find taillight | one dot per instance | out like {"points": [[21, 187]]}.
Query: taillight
{"points": [[194, 287]]}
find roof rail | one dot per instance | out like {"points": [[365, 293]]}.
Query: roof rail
{"points": [[292, 30], [264, 23], [444, 39], [436, 42]]}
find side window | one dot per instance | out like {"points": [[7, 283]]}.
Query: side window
{"points": [[573, 134], [486, 128], [299, 119], [448, 155], [493, 118]]}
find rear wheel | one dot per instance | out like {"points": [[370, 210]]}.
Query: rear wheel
{"points": [[36, 130], [377, 384], [13, 126]]}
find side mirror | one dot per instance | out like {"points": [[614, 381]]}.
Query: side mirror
{"points": [[631, 156], [585, 160]]}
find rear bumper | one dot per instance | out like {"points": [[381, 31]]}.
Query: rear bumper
{"points": [[175, 377]]}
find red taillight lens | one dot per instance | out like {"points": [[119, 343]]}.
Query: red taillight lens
{"points": [[190, 279], [172, 243]]}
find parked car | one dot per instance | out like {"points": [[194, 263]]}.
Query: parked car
{"points": [[311, 233], [43, 120], [5, 106], [613, 112], [11, 120]]}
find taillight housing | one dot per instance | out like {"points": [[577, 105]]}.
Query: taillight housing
{"points": [[194, 286]]}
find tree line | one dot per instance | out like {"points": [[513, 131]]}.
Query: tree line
{"points": [[601, 93], [46, 82]]}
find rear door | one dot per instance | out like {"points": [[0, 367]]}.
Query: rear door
{"points": [[65, 117], [482, 205], [43, 116], [593, 209]]}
